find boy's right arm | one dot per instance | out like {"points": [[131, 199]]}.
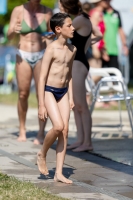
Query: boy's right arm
{"points": [[46, 62]]}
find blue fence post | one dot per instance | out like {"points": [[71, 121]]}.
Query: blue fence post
{"points": [[3, 7]]}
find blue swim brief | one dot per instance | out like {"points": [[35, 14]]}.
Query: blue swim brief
{"points": [[57, 92]]}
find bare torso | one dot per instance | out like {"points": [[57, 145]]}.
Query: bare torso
{"points": [[32, 42], [60, 69]]}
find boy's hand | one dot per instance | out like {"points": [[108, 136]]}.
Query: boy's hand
{"points": [[42, 113], [71, 102]]}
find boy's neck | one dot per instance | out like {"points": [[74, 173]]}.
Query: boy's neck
{"points": [[61, 40]]}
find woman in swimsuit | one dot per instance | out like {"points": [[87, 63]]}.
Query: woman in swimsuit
{"points": [[82, 40], [29, 21]]}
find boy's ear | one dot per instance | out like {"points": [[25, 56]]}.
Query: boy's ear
{"points": [[58, 29]]}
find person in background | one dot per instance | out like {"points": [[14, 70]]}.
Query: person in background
{"points": [[86, 7], [98, 49], [82, 40], [30, 21], [113, 25]]}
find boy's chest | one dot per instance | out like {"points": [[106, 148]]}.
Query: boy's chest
{"points": [[63, 56]]}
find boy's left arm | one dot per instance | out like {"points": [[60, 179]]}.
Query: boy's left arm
{"points": [[71, 101]]}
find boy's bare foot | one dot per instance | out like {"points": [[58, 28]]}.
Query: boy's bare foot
{"points": [[38, 140], [22, 136], [83, 148], [41, 162], [74, 145], [60, 178]]}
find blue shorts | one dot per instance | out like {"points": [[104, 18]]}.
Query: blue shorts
{"points": [[57, 92]]}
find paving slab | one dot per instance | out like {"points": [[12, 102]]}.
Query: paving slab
{"points": [[101, 174]]}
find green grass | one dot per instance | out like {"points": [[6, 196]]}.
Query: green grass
{"points": [[11, 99], [13, 189]]}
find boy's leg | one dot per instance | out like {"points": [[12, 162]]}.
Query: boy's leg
{"points": [[64, 108], [58, 126]]}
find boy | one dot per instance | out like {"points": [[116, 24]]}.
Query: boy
{"points": [[55, 79]]}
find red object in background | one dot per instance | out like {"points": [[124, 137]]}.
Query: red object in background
{"points": [[101, 26]]}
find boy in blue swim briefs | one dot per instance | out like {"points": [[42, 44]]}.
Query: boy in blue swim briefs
{"points": [[55, 83]]}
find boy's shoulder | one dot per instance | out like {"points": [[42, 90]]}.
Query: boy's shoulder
{"points": [[50, 48], [72, 47], [52, 45]]}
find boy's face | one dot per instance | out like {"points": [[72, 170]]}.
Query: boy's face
{"points": [[67, 30]]}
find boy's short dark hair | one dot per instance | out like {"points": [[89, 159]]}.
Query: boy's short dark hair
{"points": [[58, 20]]}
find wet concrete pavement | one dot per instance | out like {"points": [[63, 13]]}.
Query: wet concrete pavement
{"points": [[104, 174]]}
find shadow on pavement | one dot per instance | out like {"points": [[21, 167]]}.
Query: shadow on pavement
{"points": [[116, 154], [67, 171], [29, 134], [101, 160]]}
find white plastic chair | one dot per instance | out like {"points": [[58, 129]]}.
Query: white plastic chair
{"points": [[107, 84]]}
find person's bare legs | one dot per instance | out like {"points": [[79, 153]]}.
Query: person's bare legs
{"points": [[40, 135], [64, 108], [80, 132], [95, 63], [24, 76], [54, 115], [81, 111]]}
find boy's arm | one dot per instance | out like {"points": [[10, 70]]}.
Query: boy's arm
{"points": [[46, 61], [70, 92], [70, 82]]}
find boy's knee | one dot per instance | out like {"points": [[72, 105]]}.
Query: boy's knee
{"points": [[58, 128], [65, 132]]}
